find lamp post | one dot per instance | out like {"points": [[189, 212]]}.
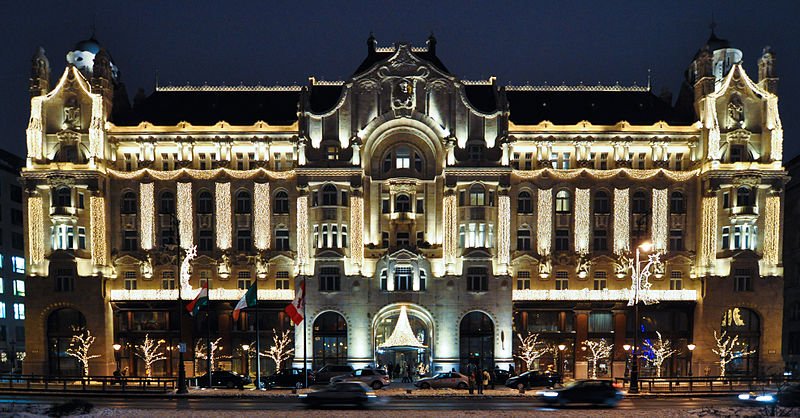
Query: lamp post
{"points": [[246, 355], [691, 348], [588, 371], [561, 348], [117, 356], [640, 272], [627, 348]]}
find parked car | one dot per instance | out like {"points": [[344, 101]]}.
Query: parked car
{"points": [[355, 393], [533, 379], [323, 376], [374, 378], [444, 380], [597, 392], [291, 378], [224, 379], [501, 376]]}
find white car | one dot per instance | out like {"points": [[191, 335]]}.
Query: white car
{"points": [[374, 378], [444, 380]]}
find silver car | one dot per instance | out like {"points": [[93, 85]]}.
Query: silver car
{"points": [[444, 380], [374, 378]]}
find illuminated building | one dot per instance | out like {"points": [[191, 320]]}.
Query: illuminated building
{"points": [[467, 211], [12, 265]]}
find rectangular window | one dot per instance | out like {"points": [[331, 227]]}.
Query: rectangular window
{"points": [[385, 239], [562, 280], [81, 238], [19, 311], [329, 279], [403, 277], [641, 161], [130, 280], [205, 278], [243, 279], [243, 240], [742, 280], [523, 239], [19, 288], [420, 205], [604, 161], [679, 161], [16, 217], [403, 239], [80, 201], [332, 152], [523, 280], [205, 240], [601, 322], [386, 206], [726, 237], [675, 280], [282, 239], [676, 240], [16, 193], [65, 281], [600, 240], [282, 280], [562, 240], [477, 279], [420, 238], [600, 280], [18, 264], [168, 279], [130, 240]]}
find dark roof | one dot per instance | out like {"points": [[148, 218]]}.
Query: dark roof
{"points": [[324, 98], [482, 96], [11, 162], [209, 107], [374, 57], [597, 107]]}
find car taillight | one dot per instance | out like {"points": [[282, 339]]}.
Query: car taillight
{"points": [[617, 385]]}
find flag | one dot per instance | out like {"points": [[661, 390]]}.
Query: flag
{"points": [[247, 301], [295, 309], [199, 301]]}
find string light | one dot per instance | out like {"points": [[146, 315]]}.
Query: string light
{"points": [[262, 216], [544, 221], [660, 219], [595, 174], [147, 207], [357, 229], [582, 216], [772, 225], [185, 214], [302, 233], [402, 335], [98, 230], [35, 129], [708, 235], [504, 233], [213, 294], [96, 127], [223, 206], [599, 295], [201, 174], [622, 221], [450, 229], [35, 229]]}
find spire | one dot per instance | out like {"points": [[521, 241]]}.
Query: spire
{"points": [[431, 43], [371, 44], [40, 73], [403, 335]]}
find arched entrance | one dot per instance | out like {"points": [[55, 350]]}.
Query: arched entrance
{"points": [[60, 330], [746, 325], [476, 340], [330, 340], [412, 344]]}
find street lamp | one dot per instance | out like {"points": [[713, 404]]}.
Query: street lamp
{"points": [[627, 348], [561, 348], [246, 354], [117, 356], [691, 348], [640, 272]]}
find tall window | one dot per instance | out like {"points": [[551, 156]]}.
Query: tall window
{"points": [[677, 203], [282, 280], [601, 204], [600, 280], [282, 239], [743, 197], [524, 203], [62, 197], [168, 279], [128, 203], [562, 280], [244, 240], [676, 240], [166, 203], [477, 279], [562, 239], [281, 204], [329, 279], [402, 203], [329, 194], [523, 280], [402, 157], [205, 240], [329, 340], [130, 240], [639, 202], [675, 280], [243, 280], [600, 240], [65, 280], [130, 280], [477, 195], [742, 280], [403, 277], [726, 237], [523, 239], [205, 203], [563, 204], [243, 202]]}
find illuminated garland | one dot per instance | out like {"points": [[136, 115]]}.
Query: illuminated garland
{"points": [[450, 229], [712, 124], [147, 207], [582, 215], [262, 216], [35, 229], [201, 174], [223, 206], [302, 233], [503, 232], [708, 235], [213, 294], [622, 221], [96, 127], [599, 295], [660, 219], [357, 229], [185, 214], [544, 221], [772, 225], [776, 129], [34, 130], [635, 174], [98, 230]]}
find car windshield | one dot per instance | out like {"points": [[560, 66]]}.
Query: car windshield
{"points": [[573, 383]]}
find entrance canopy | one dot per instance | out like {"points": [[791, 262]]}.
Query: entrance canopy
{"points": [[402, 337]]}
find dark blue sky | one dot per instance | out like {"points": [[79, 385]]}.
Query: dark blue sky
{"points": [[286, 42]]}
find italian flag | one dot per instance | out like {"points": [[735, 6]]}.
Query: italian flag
{"points": [[249, 300], [295, 309], [199, 301]]}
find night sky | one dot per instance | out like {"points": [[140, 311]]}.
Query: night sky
{"points": [[271, 42]]}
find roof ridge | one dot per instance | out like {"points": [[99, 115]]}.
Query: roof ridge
{"points": [[580, 87], [207, 87]]}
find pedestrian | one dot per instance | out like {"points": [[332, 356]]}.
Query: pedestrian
{"points": [[389, 370], [396, 370], [471, 377], [410, 374], [493, 376], [479, 380], [487, 379]]}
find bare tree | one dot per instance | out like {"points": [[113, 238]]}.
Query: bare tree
{"points": [[531, 349], [79, 347], [279, 351], [200, 352], [149, 353], [599, 350], [661, 349], [728, 349]]}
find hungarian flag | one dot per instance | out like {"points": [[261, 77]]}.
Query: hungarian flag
{"points": [[199, 301], [249, 300], [295, 309]]}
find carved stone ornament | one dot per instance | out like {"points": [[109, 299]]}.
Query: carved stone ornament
{"points": [[262, 266], [224, 266], [739, 136], [583, 265], [146, 267], [545, 266], [402, 187], [68, 137], [56, 181], [72, 117], [735, 112], [750, 181], [367, 86]]}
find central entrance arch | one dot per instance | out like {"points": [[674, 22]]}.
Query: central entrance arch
{"points": [[421, 323]]}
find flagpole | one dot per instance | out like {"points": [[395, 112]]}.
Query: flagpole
{"points": [[208, 335], [305, 337], [258, 344]]}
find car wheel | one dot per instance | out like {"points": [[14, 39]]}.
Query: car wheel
{"points": [[377, 385], [425, 385], [520, 386], [610, 403], [461, 385], [229, 385], [298, 385]]}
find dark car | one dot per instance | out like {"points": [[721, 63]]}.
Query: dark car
{"points": [[788, 395], [288, 378], [223, 379], [501, 375], [597, 392], [344, 393], [323, 376], [533, 379]]}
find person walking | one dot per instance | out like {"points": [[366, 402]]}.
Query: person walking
{"points": [[390, 371], [396, 372], [479, 376], [487, 379], [471, 377], [410, 374], [493, 376]]}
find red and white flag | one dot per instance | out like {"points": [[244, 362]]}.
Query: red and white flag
{"points": [[295, 309]]}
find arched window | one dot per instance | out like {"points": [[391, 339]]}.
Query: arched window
{"points": [[402, 157], [746, 325], [677, 203], [329, 195], [62, 197], [743, 197], [281, 204], [243, 202], [523, 238], [477, 195], [205, 203], [60, 325], [524, 203], [330, 340], [128, 202], [476, 338], [601, 204], [166, 203], [402, 203], [563, 203], [639, 202]]}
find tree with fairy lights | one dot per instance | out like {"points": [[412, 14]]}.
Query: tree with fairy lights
{"points": [[279, 351], [531, 349], [661, 350], [79, 347], [728, 349], [598, 350], [150, 353], [200, 352]]}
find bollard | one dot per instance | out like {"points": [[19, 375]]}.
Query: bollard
{"points": [[294, 391], [408, 391]]}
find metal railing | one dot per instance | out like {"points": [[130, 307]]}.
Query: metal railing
{"points": [[19, 382], [704, 383]]}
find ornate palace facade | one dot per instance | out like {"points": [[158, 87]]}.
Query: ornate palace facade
{"points": [[487, 211]]}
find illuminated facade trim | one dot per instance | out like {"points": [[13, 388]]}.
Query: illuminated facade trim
{"points": [[708, 234], [147, 208], [223, 215], [622, 221], [601, 295], [302, 235], [544, 222], [660, 219], [35, 229], [582, 217], [35, 129], [503, 233], [171, 175], [772, 230], [357, 229], [262, 216], [571, 174], [214, 294], [184, 206], [450, 223], [98, 230]]}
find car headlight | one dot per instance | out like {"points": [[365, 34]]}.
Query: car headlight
{"points": [[744, 396], [764, 398], [549, 394], [302, 395]]}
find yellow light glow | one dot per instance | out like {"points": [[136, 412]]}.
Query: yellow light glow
{"points": [[147, 207], [708, 235], [544, 221], [302, 233], [599, 295], [660, 219], [262, 216], [503, 232], [201, 174], [185, 214], [213, 294], [98, 230], [772, 225], [646, 246], [223, 206], [622, 221], [35, 129], [582, 216], [594, 174], [97, 127], [35, 229], [357, 229], [450, 229]]}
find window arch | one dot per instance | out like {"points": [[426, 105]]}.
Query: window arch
{"points": [[563, 202], [128, 202], [743, 197], [476, 340], [524, 202], [330, 340], [639, 202], [59, 338], [166, 204], [243, 202], [62, 197], [402, 203], [205, 202], [477, 195], [328, 193], [601, 202], [677, 204], [281, 204]]}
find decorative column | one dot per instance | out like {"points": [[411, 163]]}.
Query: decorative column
{"points": [[772, 230], [147, 207], [708, 234], [35, 229], [98, 230], [582, 216], [357, 229], [544, 222], [660, 219], [223, 215], [618, 354], [450, 222], [302, 233], [622, 221], [503, 232], [262, 216], [185, 214]]}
